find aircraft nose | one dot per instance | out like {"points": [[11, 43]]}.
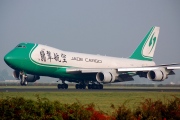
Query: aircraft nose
{"points": [[8, 59], [14, 59]]}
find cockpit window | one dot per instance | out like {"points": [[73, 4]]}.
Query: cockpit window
{"points": [[21, 46]]}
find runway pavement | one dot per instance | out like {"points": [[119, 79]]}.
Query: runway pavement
{"points": [[54, 89]]}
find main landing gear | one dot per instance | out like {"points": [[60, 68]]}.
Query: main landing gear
{"points": [[90, 86], [80, 86], [95, 86], [63, 85]]}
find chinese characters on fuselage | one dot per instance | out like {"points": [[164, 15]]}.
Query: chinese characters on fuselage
{"points": [[48, 56], [43, 55], [86, 59]]}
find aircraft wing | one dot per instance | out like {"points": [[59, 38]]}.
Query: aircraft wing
{"points": [[148, 68], [90, 70], [127, 69], [173, 68]]}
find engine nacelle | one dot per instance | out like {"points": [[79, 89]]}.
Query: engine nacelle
{"points": [[157, 75], [16, 74], [32, 78], [105, 77]]}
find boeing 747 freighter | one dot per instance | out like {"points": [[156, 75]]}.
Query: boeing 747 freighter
{"points": [[31, 60]]}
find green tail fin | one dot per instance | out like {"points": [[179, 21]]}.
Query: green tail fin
{"points": [[145, 50]]}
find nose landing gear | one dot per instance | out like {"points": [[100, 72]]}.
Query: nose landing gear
{"points": [[23, 81]]}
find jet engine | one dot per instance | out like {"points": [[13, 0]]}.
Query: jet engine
{"points": [[32, 78], [105, 77], [16, 74], [29, 77], [157, 75]]}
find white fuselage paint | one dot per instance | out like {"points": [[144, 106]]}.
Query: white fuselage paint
{"points": [[80, 60]]}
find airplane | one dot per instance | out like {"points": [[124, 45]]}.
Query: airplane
{"points": [[31, 60]]}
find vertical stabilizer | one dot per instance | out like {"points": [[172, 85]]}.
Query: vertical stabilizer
{"points": [[145, 50]]}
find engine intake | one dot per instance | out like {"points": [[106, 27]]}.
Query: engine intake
{"points": [[105, 77], [16, 74], [157, 75], [32, 78]]}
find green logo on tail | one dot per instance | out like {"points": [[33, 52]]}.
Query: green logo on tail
{"points": [[152, 42], [146, 48]]}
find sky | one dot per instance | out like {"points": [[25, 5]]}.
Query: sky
{"points": [[106, 27]]}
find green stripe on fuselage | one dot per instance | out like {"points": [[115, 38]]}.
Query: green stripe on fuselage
{"points": [[28, 65]]}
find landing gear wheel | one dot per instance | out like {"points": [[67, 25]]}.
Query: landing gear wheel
{"points": [[21, 83], [83, 86], [77, 86], [62, 86], [25, 82], [101, 86], [66, 86], [90, 86], [95, 86], [80, 86], [59, 86]]}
